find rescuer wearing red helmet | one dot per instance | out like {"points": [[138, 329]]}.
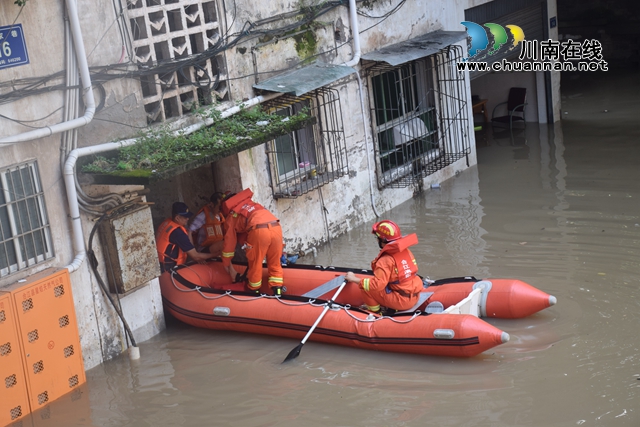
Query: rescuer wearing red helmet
{"points": [[395, 284]]}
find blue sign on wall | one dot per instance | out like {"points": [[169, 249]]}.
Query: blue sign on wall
{"points": [[13, 49]]}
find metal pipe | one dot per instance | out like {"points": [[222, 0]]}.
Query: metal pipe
{"points": [[86, 87], [353, 15]]}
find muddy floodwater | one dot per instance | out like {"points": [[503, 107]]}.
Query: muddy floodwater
{"points": [[555, 206]]}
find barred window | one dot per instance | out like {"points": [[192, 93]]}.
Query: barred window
{"points": [[297, 149], [25, 236], [313, 156], [177, 44], [421, 118]]}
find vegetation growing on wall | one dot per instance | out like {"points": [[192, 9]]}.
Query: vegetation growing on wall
{"points": [[306, 43], [161, 149]]}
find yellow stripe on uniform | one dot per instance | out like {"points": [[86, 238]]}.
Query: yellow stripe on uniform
{"points": [[278, 280], [365, 285], [254, 285], [228, 254]]}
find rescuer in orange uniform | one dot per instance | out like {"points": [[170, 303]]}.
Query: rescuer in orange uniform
{"points": [[264, 238], [395, 284], [207, 226], [172, 241]]}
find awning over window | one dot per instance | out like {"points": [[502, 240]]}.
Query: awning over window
{"points": [[419, 47], [305, 79]]}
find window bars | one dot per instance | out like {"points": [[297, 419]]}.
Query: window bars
{"points": [[178, 42], [25, 236], [421, 118], [313, 156]]}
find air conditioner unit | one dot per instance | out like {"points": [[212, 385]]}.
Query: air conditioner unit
{"points": [[408, 131]]}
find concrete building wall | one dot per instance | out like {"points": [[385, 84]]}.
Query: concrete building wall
{"points": [[308, 221]]}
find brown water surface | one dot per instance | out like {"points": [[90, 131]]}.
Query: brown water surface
{"points": [[557, 207]]}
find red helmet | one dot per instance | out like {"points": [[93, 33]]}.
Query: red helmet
{"points": [[386, 230]]}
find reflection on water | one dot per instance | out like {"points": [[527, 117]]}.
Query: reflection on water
{"points": [[557, 207]]}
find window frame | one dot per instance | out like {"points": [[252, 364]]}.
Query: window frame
{"points": [[35, 215], [296, 138], [177, 47], [324, 134], [412, 88], [434, 121]]}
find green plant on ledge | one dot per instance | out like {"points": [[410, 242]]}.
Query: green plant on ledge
{"points": [[20, 2], [161, 149]]}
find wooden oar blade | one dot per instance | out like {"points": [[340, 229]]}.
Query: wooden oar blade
{"points": [[293, 353]]}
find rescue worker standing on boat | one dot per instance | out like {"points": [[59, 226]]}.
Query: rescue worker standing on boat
{"points": [[207, 226], [172, 241], [395, 284], [264, 239]]}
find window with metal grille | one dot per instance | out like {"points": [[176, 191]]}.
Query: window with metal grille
{"points": [[25, 236], [177, 43], [313, 156], [421, 119]]}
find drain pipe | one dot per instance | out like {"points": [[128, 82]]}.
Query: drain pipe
{"points": [[353, 15], [86, 88], [70, 164]]}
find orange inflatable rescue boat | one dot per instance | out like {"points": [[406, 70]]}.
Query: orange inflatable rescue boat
{"points": [[445, 321]]}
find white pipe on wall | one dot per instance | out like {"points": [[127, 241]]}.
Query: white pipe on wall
{"points": [[353, 15], [86, 88]]}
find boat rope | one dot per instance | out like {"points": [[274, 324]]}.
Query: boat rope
{"points": [[180, 288], [373, 318], [311, 302], [239, 298], [187, 266]]}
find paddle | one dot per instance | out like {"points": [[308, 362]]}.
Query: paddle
{"points": [[296, 351]]}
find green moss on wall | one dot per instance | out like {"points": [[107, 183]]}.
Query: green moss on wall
{"points": [[306, 44]]}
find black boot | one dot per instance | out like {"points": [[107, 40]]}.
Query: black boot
{"points": [[251, 290], [277, 291], [384, 311]]}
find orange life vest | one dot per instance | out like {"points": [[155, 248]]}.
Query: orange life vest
{"points": [[212, 226], [406, 266], [163, 243]]}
